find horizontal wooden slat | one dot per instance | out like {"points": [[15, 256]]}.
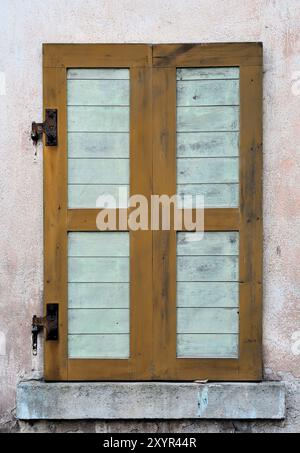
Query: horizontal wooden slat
{"points": [[87, 196], [207, 119], [99, 346], [209, 243], [98, 244], [207, 144], [215, 219], [207, 268], [207, 294], [207, 73], [95, 55], [223, 219], [101, 320], [98, 92], [207, 320], [85, 219], [207, 345], [207, 92], [210, 54], [98, 73], [98, 295], [98, 171], [207, 170], [215, 195], [99, 269], [98, 119], [98, 145]]}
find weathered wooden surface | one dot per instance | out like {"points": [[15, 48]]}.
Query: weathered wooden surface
{"points": [[98, 134], [207, 294], [98, 294]]}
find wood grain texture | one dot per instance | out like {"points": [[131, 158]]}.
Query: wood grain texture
{"points": [[208, 243], [207, 73], [207, 144], [105, 144], [86, 219], [206, 119], [164, 242], [207, 170], [196, 93], [141, 267], [98, 73], [215, 195], [245, 363], [207, 268], [96, 55], [204, 307], [251, 222], [55, 216], [212, 54]]}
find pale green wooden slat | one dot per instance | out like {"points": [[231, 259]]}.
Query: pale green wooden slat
{"points": [[98, 73], [215, 195], [207, 320], [98, 346], [98, 171], [207, 170], [98, 145], [98, 92], [208, 73], [207, 345], [101, 320], [108, 243], [98, 295], [98, 119], [207, 268], [207, 294], [98, 269], [209, 243], [86, 196], [207, 92], [197, 119], [207, 144]]}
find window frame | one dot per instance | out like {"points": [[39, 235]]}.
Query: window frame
{"points": [[153, 154]]}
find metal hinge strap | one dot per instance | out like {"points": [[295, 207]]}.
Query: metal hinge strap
{"points": [[49, 127], [48, 322]]}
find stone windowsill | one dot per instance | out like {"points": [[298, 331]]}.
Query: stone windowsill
{"points": [[149, 400]]}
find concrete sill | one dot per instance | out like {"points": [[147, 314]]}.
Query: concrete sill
{"points": [[149, 400]]}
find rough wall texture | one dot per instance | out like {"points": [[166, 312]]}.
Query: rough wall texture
{"points": [[25, 25]]}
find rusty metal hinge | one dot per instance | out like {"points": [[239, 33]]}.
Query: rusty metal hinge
{"points": [[48, 322], [49, 127]]}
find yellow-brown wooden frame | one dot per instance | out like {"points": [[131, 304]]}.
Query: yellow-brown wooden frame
{"points": [[58, 219], [247, 219], [153, 171]]}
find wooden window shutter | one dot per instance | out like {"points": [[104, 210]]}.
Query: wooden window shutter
{"points": [[161, 119]]}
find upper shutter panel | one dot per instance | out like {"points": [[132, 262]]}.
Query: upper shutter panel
{"points": [[98, 135]]}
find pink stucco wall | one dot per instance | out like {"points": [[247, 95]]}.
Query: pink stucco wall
{"points": [[25, 25]]}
